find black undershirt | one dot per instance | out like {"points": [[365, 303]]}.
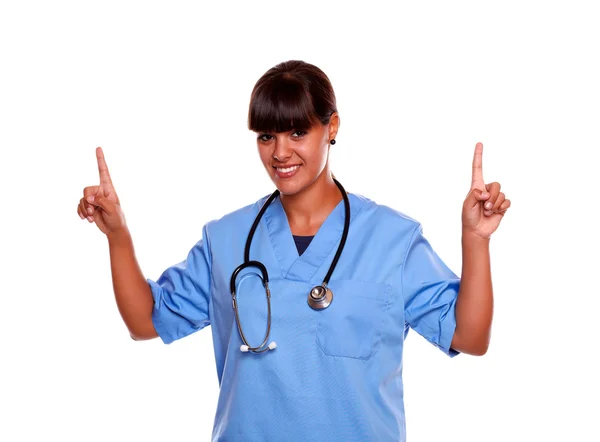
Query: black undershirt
{"points": [[302, 243]]}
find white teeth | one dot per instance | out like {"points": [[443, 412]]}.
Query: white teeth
{"points": [[287, 169]]}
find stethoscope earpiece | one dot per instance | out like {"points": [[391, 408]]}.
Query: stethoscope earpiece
{"points": [[245, 348]]}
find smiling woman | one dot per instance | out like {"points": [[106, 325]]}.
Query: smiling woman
{"points": [[336, 370], [293, 111]]}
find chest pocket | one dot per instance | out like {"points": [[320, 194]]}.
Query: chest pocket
{"points": [[352, 325]]}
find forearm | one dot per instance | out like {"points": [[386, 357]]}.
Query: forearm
{"points": [[132, 292], [474, 306]]}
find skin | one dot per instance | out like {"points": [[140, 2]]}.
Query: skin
{"points": [[483, 209], [100, 204], [311, 194]]}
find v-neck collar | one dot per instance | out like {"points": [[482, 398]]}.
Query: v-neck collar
{"points": [[306, 267]]}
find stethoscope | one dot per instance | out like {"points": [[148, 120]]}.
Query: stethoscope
{"points": [[319, 297]]}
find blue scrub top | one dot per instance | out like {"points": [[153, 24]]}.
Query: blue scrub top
{"points": [[336, 374]]}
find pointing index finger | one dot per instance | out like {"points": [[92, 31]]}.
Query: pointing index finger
{"points": [[102, 168], [477, 180]]}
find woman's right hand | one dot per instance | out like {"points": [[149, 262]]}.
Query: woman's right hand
{"points": [[100, 204]]}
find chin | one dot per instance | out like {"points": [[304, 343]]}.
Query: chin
{"points": [[288, 187]]}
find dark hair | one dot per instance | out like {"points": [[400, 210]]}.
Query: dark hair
{"points": [[291, 95]]}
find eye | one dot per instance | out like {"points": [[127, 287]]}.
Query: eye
{"points": [[300, 133], [264, 137]]}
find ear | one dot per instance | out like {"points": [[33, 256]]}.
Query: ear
{"points": [[334, 124]]}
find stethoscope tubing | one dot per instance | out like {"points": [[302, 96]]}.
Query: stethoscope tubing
{"points": [[319, 304]]}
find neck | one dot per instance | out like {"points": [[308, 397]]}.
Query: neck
{"points": [[307, 210]]}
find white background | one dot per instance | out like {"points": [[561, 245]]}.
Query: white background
{"points": [[164, 89]]}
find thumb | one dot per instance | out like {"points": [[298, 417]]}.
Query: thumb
{"points": [[100, 201], [475, 196]]}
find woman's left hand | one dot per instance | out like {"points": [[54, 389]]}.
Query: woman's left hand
{"points": [[485, 205]]}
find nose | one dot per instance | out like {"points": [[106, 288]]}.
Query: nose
{"points": [[282, 151]]}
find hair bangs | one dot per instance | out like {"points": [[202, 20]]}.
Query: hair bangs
{"points": [[281, 104]]}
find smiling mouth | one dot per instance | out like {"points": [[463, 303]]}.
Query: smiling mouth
{"points": [[287, 169], [286, 172]]}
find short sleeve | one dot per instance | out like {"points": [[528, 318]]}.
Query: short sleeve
{"points": [[430, 290], [182, 294]]}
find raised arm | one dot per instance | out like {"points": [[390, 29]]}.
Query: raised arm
{"points": [[100, 204], [482, 212]]}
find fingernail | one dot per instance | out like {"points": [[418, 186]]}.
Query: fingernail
{"points": [[488, 205], [91, 198], [90, 210], [485, 195], [90, 219]]}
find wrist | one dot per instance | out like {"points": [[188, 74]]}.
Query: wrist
{"points": [[470, 236], [119, 236]]}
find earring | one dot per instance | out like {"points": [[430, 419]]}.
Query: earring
{"points": [[332, 141]]}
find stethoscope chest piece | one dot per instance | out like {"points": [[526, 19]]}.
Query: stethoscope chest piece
{"points": [[320, 297]]}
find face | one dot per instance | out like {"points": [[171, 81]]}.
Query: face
{"points": [[296, 159]]}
